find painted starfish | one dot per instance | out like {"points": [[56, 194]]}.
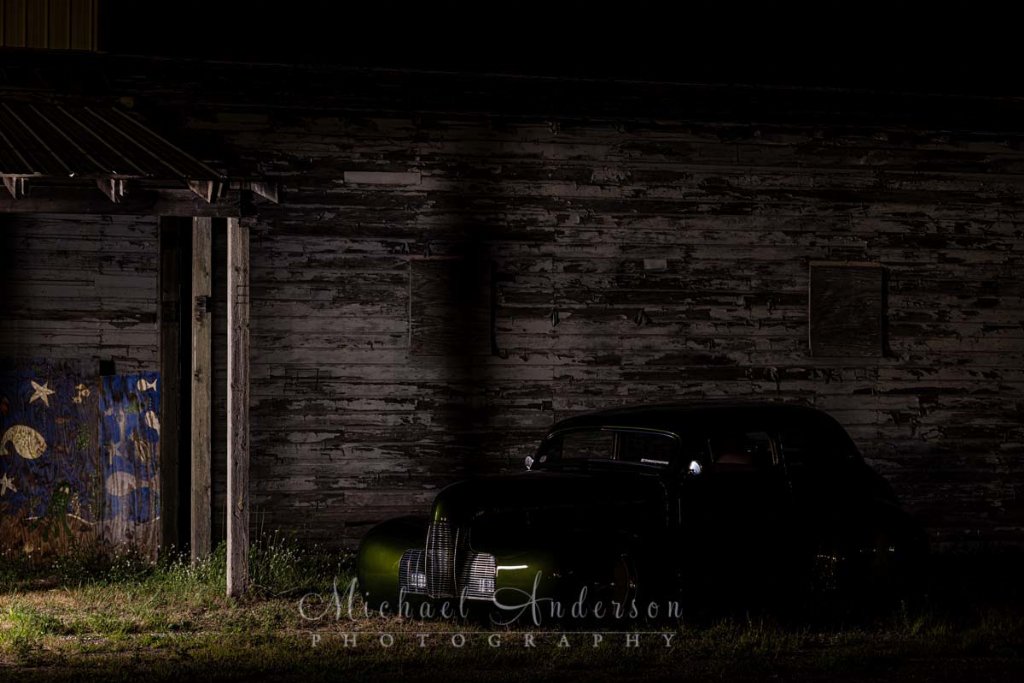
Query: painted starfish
{"points": [[6, 483], [41, 392]]}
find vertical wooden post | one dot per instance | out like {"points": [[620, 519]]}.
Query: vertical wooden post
{"points": [[202, 377], [170, 379], [238, 408]]}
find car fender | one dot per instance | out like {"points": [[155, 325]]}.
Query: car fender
{"points": [[379, 556]]}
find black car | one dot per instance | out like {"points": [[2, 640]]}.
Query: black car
{"points": [[686, 503]]}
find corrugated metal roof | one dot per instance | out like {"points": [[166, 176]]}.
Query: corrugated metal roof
{"points": [[86, 141]]}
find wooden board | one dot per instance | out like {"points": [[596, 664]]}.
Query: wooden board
{"points": [[238, 408], [846, 310], [201, 385]]}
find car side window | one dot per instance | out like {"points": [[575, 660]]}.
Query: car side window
{"points": [[588, 444], [741, 450], [639, 446], [813, 451], [647, 448]]}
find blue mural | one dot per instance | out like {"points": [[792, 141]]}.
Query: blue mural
{"points": [[129, 427], [78, 458]]}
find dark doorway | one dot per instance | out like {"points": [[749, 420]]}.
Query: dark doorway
{"points": [[175, 371]]}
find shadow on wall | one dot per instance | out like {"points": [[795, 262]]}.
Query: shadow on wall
{"points": [[453, 289]]}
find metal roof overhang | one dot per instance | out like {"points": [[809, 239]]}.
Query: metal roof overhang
{"points": [[62, 148]]}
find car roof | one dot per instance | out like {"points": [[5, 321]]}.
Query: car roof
{"points": [[709, 415]]}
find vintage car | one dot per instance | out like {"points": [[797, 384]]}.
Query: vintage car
{"points": [[699, 503]]}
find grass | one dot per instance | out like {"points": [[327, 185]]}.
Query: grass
{"points": [[119, 618]]}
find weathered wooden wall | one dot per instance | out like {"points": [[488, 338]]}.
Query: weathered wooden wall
{"points": [[80, 288], [79, 383], [634, 243], [669, 261]]}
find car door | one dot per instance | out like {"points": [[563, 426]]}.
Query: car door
{"points": [[815, 466], [746, 511]]}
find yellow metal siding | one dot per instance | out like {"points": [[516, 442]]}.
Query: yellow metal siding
{"points": [[53, 24]]}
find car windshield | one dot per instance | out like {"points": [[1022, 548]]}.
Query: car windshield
{"points": [[657, 449]]}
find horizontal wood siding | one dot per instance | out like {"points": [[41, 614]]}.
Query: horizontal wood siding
{"points": [[651, 264], [638, 242], [80, 288]]}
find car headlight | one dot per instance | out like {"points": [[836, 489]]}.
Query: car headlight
{"points": [[412, 572], [478, 576]]}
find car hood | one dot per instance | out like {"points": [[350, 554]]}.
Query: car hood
{"points": [[508, 507]]}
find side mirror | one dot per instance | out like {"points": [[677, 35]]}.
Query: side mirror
{"points": [[528, 461], [695, 469]]}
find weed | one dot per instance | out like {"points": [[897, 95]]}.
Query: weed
{"points": [[119, 617]]}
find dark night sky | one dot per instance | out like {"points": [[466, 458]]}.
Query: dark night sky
{"points": [[894, 46]]}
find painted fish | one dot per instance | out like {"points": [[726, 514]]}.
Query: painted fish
{"points": [[81, 393], [27, 442]]}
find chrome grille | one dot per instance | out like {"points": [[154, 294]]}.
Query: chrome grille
{"points": [[440, 559]]}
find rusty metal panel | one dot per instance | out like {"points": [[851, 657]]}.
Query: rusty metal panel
{"points": [[14, 16], [51, 24], [59, 33], [83, 19]]}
